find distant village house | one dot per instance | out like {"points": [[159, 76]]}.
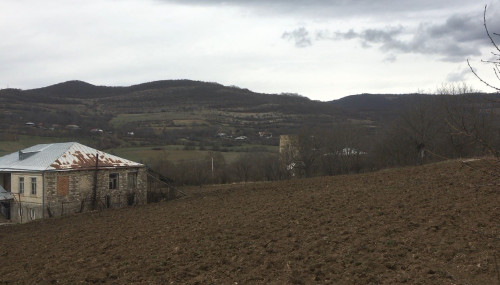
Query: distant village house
{"points": [[96, 131], [266, 135], [72, 127]]}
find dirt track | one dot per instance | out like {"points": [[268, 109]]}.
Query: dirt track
{"points": [[437, 224]]}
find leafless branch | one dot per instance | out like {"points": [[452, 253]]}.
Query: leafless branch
{"points": [[481, 79], [463, 130], [486, 29], [490, 61], [494, 62]]}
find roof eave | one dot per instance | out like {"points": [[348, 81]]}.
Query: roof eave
{"points": [[9, 170], [93, 168]]}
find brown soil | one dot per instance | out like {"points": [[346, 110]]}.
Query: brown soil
{"points": [[436, 224]]}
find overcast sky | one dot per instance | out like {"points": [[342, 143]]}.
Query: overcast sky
{"points": [[322, 49]]}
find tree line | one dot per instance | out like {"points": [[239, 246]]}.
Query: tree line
{"points": [[428, 129]]}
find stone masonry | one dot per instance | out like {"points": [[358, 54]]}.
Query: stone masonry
{"points": [[68, 192], [81, 184]]}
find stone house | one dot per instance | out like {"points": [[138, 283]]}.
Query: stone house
{"points": [[48, 180]]}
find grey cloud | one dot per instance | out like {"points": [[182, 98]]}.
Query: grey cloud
{"points": [[300, 36], [368, 35], [329, 8], [459, 37]]}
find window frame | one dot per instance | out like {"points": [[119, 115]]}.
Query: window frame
{"points": [[32, 213], [33, 185], [114, 179], [21, 185], [132, 175]]}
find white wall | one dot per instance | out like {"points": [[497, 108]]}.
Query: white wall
{"points": [[27, 196]]}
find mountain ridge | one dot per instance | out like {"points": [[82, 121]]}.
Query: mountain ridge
{"points": [[168, 110]]}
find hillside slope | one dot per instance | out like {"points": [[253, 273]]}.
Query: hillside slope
{"points": [[386, 107], [169, 111], [162, 111], [435, 224]]}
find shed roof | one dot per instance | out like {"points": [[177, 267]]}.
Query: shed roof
{"points": [[4, 195], [61, 156]]}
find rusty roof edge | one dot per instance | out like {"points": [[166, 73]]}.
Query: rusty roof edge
{"points": [[93, 168], [21, 170], [82, 156], [69, 146]]}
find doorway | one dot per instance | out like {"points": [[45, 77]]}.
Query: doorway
{"points": [[5, 181]]}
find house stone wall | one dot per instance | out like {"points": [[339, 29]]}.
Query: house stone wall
{"points": [[81, 183], [27, 207]]}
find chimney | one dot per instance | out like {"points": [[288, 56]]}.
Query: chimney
{"points": [[24, 155]]}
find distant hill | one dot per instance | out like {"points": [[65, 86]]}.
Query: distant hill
{"points": [[152, 95], [168, 110], [84, 90], [383, 107]]}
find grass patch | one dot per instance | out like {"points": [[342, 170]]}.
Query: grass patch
{"points": [[173, 153], [179, 118]]}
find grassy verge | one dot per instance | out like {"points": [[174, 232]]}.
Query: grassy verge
{"points": [[173, 153]]}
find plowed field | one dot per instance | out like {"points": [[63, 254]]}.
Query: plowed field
{"points": [[435, 224]]}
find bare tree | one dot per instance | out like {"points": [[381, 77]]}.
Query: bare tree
{"points": [[325, 151], [421, 122], [243, 167], [471, 120], [309, 151], [495, 62]]}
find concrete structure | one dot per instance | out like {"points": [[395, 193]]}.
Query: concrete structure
{"points": [[62, 178], [289, 148]]}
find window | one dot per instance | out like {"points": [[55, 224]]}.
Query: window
{"points": [[32, 214], [113, 181], [33, 185], [21, 185], [132, 180]]}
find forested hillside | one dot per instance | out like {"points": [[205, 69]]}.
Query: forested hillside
{"points": [[192, 121]]}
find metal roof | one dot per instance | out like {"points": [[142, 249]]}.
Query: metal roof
{"points": [[60, 156], [4, 195]]}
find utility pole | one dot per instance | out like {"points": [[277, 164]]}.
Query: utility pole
{"points": [[94, 189], [212, 168], [20, 208]]}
